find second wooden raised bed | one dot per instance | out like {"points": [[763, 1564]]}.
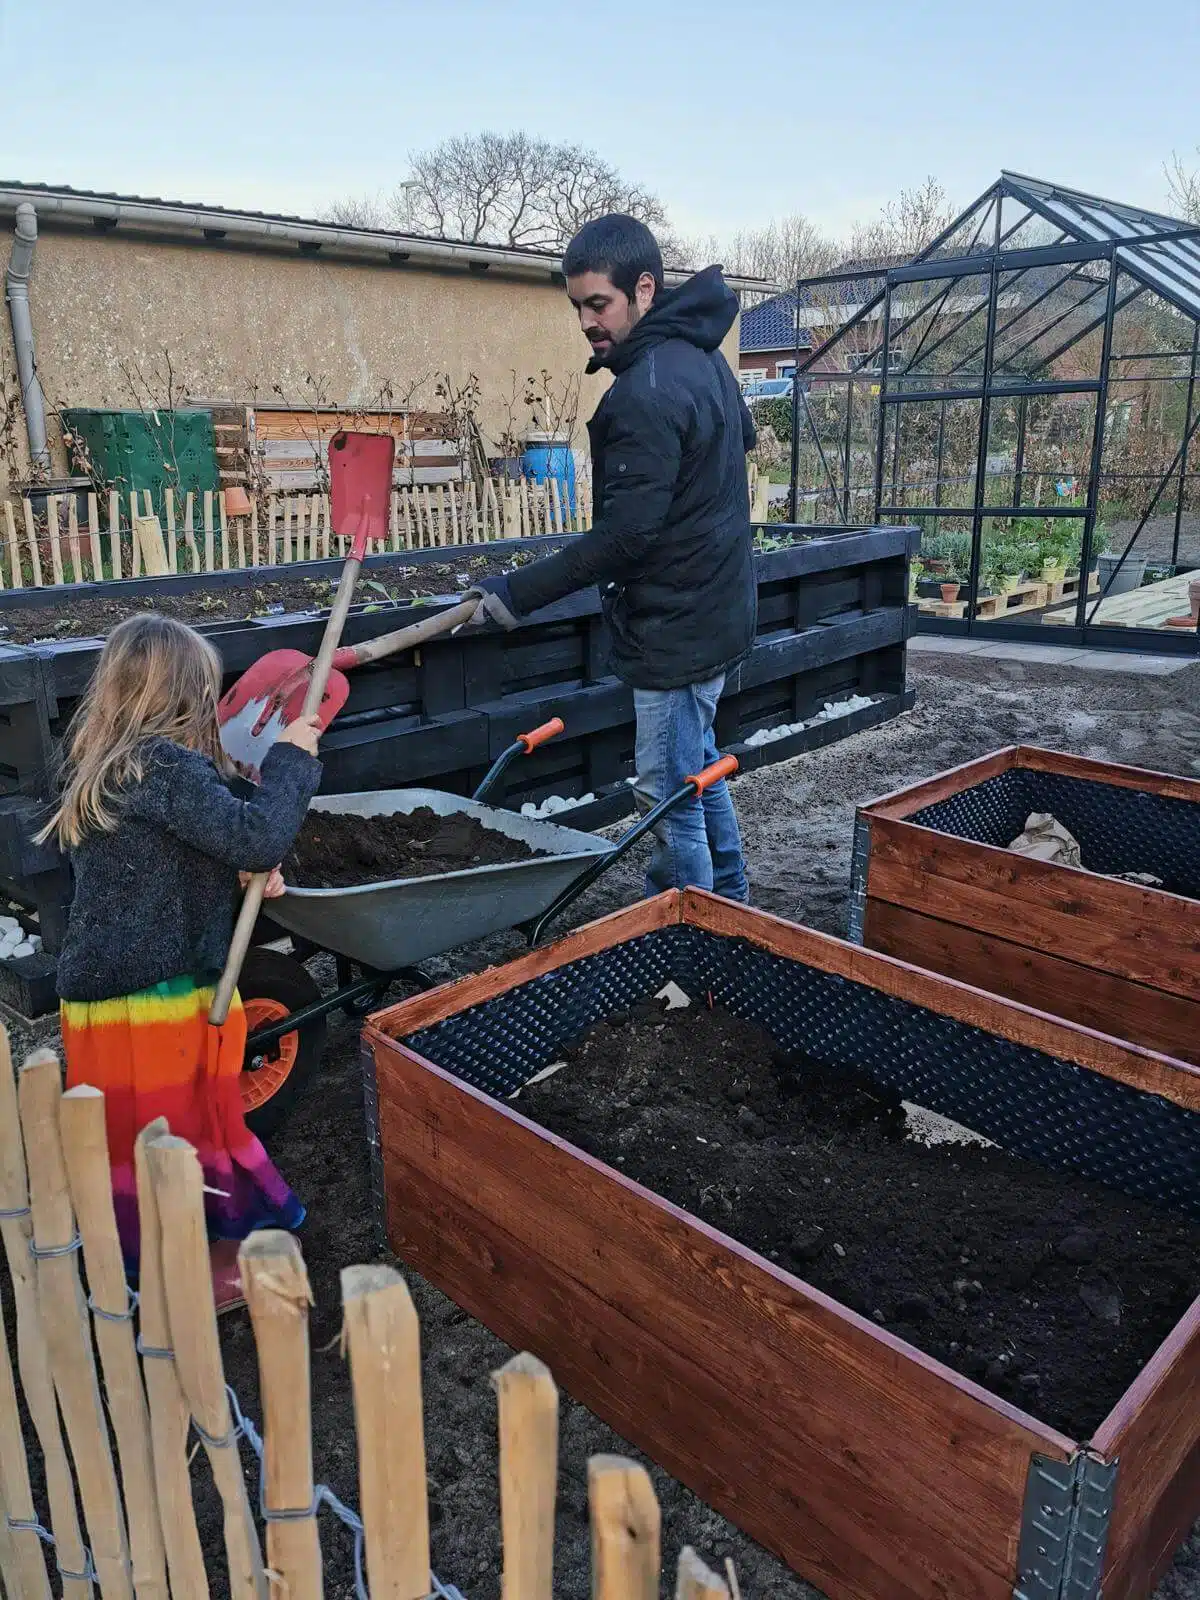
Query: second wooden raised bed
{"points": [[876, 1471], [935, 883]]}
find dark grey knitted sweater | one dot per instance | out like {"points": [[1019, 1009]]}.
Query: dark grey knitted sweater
{"points": [[156, 898]]}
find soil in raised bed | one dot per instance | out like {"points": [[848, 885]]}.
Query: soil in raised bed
{"points": [[1050, 1291], [335, 851], [92, 616]]}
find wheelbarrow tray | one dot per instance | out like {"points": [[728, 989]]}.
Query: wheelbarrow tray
{"points": [[401, 921]]}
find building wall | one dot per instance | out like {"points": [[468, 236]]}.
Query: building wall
{"points": [[239, 322], [758, 360]]}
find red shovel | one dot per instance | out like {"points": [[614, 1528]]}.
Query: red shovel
{"points": [[271, 693], [360, 484]]}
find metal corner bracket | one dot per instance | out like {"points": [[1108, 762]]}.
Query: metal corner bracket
{"points": [[1064, 1528], [374, 1145], [860, 860]]}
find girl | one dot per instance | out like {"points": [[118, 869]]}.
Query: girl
{"points": [[157, 833]]}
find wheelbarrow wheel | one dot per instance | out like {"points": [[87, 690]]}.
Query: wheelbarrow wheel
{"points": [[273, 1083]]}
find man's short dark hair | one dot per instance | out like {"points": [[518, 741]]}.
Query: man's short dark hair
{"points": [[621, 247]]}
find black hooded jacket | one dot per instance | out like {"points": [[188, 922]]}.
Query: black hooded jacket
{"points": [[670, 547]]}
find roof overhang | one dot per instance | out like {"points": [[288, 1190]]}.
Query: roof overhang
{"points": [[217, 226]]}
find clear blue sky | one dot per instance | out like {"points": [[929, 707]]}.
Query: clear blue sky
{"points": [[732, 112]]}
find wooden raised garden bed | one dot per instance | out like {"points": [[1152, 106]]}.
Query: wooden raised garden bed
{"points": [[935, 883], [876, 1471]]}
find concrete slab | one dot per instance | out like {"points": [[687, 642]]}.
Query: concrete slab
{"points": [[945, 644], [1042, 654], [1132, 663]]}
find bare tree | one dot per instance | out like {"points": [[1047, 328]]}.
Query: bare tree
{"points": [[504, 188], [359, 211], [1184, 185], [905, 226]]}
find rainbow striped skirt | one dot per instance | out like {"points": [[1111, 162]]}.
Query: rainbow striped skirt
{"points": [[152, 1055]]}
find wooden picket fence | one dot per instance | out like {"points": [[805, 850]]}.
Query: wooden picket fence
{"points": [[198, 535], [156, 1359]]}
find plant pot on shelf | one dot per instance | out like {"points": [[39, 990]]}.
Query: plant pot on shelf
{"points": [[929, 589], [1053, 572], [949, 592], [1124, 581], [1009, 583]]}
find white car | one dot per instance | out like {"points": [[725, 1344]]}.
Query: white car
{"points": [[768, 389]]}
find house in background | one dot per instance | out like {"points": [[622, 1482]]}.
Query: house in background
{"points": [[768, 343], [245, 307]]}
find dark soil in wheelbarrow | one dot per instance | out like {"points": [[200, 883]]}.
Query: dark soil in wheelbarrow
{"points": [[336, 851], [1050, 1291]]}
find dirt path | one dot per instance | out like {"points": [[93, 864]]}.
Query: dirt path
{"points": [[797, 823]]}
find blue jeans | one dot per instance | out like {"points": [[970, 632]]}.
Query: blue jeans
{"points": [[698, 843]]}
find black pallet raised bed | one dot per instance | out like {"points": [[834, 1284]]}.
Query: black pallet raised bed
{"points": [[834, 619]]}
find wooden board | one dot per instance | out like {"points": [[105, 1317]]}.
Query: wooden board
{"points": [[1152, 1432], [1118, 927], [1161, 1021], [1147, 607], [907, 802], [872, 1469]]}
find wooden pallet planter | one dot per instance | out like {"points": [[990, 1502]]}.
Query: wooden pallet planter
{"points": [[1068, 589], [993, 607], [934, 882], [878, 1473], [54, 1176], [833, 621]]}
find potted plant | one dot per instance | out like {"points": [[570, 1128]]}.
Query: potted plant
{"points": [[1117, 575], [1001, 567], [1054, 561], [951, 583]]}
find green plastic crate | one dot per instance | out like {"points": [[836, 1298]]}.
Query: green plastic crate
{"points": [[135, 450]]}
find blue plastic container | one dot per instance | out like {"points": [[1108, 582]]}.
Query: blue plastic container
{"points": [[549, 455]]}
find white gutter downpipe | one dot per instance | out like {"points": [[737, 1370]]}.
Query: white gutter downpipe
{"points": [[16, 292]]}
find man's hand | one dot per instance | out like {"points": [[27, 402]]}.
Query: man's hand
{"points": [[495, 604], [275, 884]]}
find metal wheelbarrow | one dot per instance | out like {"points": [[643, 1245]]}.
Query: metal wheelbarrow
{"points": [[377, 933]]}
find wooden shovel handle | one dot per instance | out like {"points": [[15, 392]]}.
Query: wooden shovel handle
{"points": [[253, 898], [387, 644]]}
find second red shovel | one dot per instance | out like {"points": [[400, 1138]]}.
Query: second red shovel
{"points": [[360, 486]]}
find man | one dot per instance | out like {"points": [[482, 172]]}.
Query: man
{"points": [[670, 547]]}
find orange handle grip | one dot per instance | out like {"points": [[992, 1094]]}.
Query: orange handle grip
{"points": [[548, 730], [719, 769]]}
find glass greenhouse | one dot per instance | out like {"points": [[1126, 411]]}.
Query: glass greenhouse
{"points": [[1025, 391]]}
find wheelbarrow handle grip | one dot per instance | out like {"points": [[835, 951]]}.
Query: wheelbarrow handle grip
{"points": [[537, 736], [690, 789], [723, 768]]}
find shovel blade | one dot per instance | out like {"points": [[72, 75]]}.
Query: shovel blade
{"points": [[360, 486], [261, 703]]}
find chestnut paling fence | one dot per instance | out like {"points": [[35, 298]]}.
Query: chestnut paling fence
{"points": [[49, 541], [116, 1385], [54, 541]]}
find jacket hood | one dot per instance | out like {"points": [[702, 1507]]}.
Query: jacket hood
{"points": [[702, 311]]}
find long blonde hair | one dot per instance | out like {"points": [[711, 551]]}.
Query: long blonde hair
{"points": [[156, 678]]}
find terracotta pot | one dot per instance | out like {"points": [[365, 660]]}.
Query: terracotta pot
{"points": [[950, 592], [237, 502]]}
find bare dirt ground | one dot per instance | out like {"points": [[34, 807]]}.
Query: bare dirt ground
{"points": [[797, 824]]}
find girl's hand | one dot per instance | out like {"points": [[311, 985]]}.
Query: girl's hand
{"points": [[304, 733], [275, 884]]}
